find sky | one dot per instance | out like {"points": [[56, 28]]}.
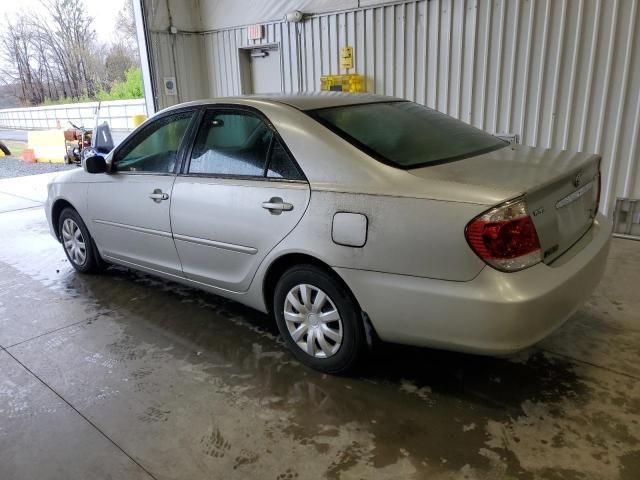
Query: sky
{"points": [[103, 12]]}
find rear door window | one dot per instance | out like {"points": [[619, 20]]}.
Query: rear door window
{"points": [[231, 143], [281, 164], [240, 143]]}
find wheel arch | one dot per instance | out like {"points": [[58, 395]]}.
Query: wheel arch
{"points": [[288, 260], [56, 210]]}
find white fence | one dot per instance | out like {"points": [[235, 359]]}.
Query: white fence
{"points": [[117, 112]]}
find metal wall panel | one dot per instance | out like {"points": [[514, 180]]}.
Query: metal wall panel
{"points": [[182, 56], [559, 73]]}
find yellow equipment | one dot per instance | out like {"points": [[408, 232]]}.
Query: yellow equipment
{"points": [[352, 82]]}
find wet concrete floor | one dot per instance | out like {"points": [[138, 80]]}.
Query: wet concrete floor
{"points": [[125, 376]]}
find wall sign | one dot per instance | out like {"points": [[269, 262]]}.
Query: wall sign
{"points": [[255, 32], [346, 57], [170, 86]]}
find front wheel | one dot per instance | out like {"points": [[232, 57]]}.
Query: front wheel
{"points": [[319, 319], [77, 243]]}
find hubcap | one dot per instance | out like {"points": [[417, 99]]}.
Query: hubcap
{"points": [[74, 243], [313, 321]]}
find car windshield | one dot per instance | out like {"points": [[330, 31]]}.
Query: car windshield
{"points": [[405, 134]]}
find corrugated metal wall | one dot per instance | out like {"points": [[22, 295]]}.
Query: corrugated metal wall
{"points": [[181, 56], [559, 73]]}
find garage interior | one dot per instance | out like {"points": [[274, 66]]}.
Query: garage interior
{"points": [[123, 375]]}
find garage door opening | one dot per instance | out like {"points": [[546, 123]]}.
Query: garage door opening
{"points": [[260, 69]]}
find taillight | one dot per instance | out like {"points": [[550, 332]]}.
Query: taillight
{"points": [[505, 237]]}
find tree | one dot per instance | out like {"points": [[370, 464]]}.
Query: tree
{"points": [[118, 60], [55, 56], [126, 27], [131, 87], [17, 48], [71, 28]]}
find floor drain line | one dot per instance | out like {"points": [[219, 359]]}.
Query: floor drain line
{"points": [[82, 416]]}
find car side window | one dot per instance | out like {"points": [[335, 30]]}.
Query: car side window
{"points": [[231, 143], [281, 165], [155, 148]]}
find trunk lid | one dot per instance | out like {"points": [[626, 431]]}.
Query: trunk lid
{"points": [[559, 186]]}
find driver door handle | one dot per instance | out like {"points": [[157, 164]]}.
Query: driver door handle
{"points": [[158, 195], [276, 206]]}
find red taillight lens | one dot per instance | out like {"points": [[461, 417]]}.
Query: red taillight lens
{"points": [[505, 237]]}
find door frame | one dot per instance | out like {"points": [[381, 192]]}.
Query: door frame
{"points": [[244, 66]]}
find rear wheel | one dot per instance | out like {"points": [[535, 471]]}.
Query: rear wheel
{"points": [[319, 319], [77, 243]]}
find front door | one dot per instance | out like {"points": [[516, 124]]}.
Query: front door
{"points": [[129, 208], [241, 193]]}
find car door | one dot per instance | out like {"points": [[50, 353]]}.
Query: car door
{"points": [[240, 193], [129, 208]]}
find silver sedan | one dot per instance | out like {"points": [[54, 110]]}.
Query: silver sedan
{"points": [[349, 218]]}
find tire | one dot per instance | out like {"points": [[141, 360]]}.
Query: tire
{"points": [[79, 248], [343, 341]]}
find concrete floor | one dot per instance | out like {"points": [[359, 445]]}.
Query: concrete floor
{"points": [[125, 376]]}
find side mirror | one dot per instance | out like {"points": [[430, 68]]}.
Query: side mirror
{"points": [[95, 164]]}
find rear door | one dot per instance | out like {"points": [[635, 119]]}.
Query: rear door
{"points": [[240, 193], [129, 207]]}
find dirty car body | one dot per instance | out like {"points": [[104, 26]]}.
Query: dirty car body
{"points": [[438, 234]]}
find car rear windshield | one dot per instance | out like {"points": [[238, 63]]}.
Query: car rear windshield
{"points": [[405, 134]]}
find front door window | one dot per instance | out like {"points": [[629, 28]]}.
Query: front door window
{"points": [[155, 148]]}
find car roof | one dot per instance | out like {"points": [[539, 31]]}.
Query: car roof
{"points": [[312, 101], [302, 101]]}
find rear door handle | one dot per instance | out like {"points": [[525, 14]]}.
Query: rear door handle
{"points": [[158, 195], [276, 206]]}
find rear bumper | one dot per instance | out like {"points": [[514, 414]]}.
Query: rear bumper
{"points": [[495, 313]]}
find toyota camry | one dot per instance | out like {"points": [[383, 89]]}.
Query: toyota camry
{"points": [[348, 218]]}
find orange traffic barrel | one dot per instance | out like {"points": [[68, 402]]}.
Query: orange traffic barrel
{"points": [[28, 156]]}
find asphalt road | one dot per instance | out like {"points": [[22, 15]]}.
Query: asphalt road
{"points": [[13, 167], [15, 135]]}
